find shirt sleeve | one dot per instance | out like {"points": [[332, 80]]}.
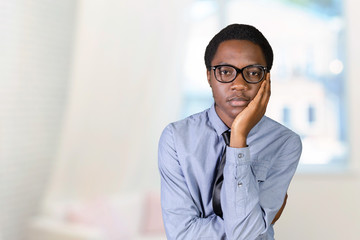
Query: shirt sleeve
{"points": [[250, 203], [182, 218]]}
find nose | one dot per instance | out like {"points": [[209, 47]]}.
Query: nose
{"points": [[239, 84]]}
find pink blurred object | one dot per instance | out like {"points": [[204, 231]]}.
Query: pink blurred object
{"points": [[100, 214], [152, 222]]}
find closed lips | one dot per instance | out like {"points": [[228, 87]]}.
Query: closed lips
{"points": [[238, 98]]}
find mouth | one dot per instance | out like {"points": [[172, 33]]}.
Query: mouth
{"points": [[238, 101]]}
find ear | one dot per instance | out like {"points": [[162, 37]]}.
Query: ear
{"points": [[208, 74]]}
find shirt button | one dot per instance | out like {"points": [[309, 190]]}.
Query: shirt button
{"points": [[239, 184], [241, 155]]}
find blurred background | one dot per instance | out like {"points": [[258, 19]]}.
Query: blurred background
{"points": [[87, 86]]}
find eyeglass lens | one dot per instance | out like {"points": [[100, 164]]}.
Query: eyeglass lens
{"points": [[250, 73]]}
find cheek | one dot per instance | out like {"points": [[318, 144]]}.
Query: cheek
{"points": [[219, 93], [254, 91]]}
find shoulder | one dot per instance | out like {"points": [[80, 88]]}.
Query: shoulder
{"points": [[288, 142], [277, 130], [192, 121], [270, 134], [191, 124], [180, 136]]}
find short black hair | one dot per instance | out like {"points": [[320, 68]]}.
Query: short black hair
{"points": [[239, 32]]}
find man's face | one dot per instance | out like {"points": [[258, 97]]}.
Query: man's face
{"points": [[232, 98]]}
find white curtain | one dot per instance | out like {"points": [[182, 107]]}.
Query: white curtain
{"points": [[123, 91]]}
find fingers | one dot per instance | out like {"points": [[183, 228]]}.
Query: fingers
{"points": [[265, 86], [260, 92], [263, 95], [267, 90]]}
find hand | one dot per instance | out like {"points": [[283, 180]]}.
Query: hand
{"points": [[251, 115]]}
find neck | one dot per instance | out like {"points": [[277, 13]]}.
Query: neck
{"points": [[227, 120]]}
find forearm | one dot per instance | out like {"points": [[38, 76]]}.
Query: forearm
{"points": [[183, 211], [254, 190], [183, 218], [179, 225], [244, 217]]}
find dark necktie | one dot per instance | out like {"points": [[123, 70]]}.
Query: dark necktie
{"points": [[219, 178]]}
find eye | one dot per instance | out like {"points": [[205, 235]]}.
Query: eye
{"points": [[225, 71], [254, 72]]}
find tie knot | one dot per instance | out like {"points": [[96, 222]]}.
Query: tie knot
{"points": [[226, 136]]}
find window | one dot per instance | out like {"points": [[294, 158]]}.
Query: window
{"points": [[308, 76]]}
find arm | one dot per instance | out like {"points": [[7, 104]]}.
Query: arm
{"points": [[182, 218], [278, 214], [251, 205]]}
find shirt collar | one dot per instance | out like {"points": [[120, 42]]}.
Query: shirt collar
{"points": [[216, 121]]}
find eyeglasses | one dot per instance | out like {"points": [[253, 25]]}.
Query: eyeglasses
{"points": [[251, 74]]}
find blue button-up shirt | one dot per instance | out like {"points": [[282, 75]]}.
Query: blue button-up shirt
{"points": [[256, 178]]}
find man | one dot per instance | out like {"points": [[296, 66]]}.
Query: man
{"points": [[206, 194]]}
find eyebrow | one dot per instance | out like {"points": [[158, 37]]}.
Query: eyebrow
{"points": [[224, 63]]}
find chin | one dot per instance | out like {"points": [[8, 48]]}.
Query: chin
{"points": [[235, 111], [229, 111]]}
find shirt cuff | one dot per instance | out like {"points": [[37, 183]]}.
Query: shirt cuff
{"points": [[238, 156]]}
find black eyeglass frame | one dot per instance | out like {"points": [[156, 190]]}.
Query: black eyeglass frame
{"points": [[240, 70]]}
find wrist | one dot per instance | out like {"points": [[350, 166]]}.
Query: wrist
{"points": [[237, 140]]}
